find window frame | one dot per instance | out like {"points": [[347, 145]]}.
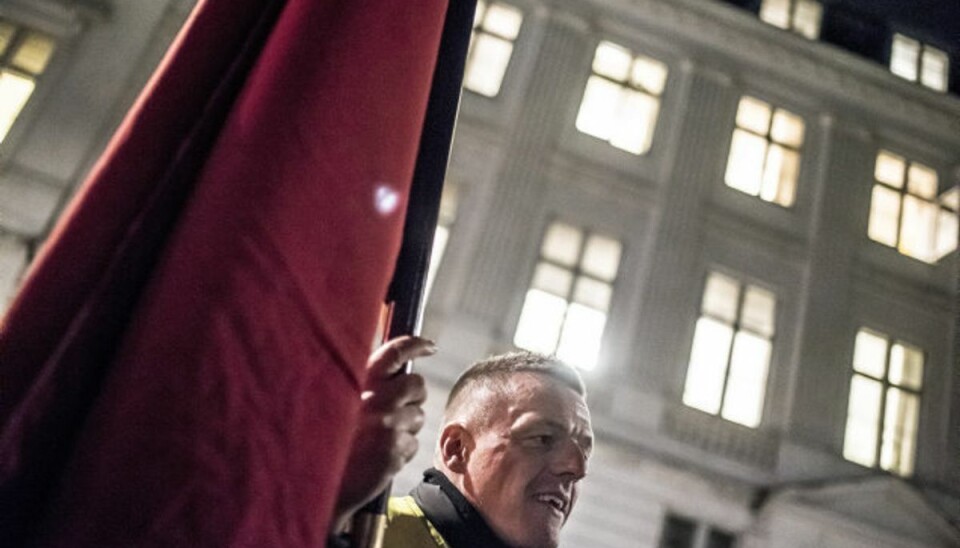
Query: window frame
{"points": [[769, 143], [628, 86], [885, 385], [477, 29], [736, 326], [793, 7], [902, 192], [923, 48], [576, 273], [21, 32]]}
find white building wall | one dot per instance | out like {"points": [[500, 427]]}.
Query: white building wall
{"points": [[518, 162]]}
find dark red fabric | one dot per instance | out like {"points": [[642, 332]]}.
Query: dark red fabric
{"points": [[225, 415]]}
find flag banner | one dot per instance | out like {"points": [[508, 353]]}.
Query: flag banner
{"points": [[183, 364]]}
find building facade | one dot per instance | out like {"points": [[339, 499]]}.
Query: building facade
{"points": [[737, 218]]}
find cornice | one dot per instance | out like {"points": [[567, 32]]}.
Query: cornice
{"points": [[824, 69]]}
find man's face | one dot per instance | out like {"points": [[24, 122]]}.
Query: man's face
{"points": [[527, 459]]}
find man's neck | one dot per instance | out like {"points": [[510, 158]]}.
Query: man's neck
{"points": [[460, 524]]}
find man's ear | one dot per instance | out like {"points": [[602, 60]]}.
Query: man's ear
{"points": [[456, 444]]}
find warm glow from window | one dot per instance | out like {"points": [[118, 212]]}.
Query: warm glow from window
{"points": [[565, 309], [495, 28], [801, 16], [448, 214], [915, 61], [24, 55], [884, 407], [622, 98], [905, 212], [764, 156], [731, 351]]}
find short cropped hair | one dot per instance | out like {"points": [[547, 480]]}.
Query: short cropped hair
{"points": [[494, 370]]}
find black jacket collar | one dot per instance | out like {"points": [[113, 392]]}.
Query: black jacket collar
{"points": [[457, 521]]}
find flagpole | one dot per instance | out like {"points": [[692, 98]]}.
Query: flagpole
{"points": [[406, 293]]}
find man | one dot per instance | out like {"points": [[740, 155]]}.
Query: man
{"points": [[513, 446]]}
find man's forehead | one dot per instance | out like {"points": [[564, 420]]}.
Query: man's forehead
{"points": [[538, 392]]}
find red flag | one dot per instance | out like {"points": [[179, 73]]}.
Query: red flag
{"points": [[268, 203]]}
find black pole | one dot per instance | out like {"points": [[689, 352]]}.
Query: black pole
{"points": [[410, 276], [406, 292]]}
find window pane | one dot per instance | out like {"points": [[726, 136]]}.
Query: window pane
{"points": [[863, 421], [918, 228], [899, 432], [922, 181], [598, 111], [906, 366], [448, 204], [719, 539], [488, 63], [478, 15], [634, 122], [745, 165], [15, 90], [34, 53], [593, 293], [562, 243], [787, 129], [935, 69], [612, 61], [806, 18], [890, 169], [503, 20], [884, 215], [951, 199], [870, 354], [7, 31], [552, 279], [753, 114], [540, 321], [602, 257], [708, 365], [649, 74], [948, 232], [758, 311], [904, 57], [581, 337], [440, 237], [780, 176], [747, 381], [720, 297], [776, 12], [677, 533]]}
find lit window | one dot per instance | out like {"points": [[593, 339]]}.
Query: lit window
{"points": [[884, 407], [800, 16], [495, 27], [730, 355], [916, 61], [448, 213], [565, 309], [24, 55], [905, 212], [681, 532], [765, 152], [622, 98]]}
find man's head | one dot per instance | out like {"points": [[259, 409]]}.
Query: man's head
{"points": [[515, 441]]}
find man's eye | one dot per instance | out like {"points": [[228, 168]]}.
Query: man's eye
{"points": [[542, 440]]}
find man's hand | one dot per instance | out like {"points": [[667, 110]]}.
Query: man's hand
{"points": [[390, 417]]}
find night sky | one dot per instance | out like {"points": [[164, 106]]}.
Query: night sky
{"points": [[933, 20]]}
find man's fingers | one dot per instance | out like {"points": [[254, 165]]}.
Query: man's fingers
{"points": [[396, 392], [389, 358], [408, 418]]}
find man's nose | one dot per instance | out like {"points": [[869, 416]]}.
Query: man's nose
{"points": [[571, 460]]}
